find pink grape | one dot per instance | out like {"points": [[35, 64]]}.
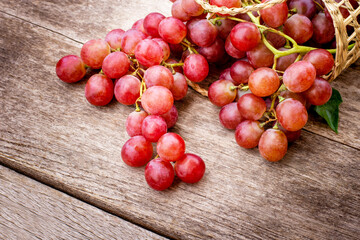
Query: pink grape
{"points": [[170, 117], [139, 25], [248, 133], [192, 8], [196, 68], [291, 136], [157, 100], [304, 7], [179, 88], [263, 82], [149, 53], [203, 33], [151, 23], [232, 51], [178, 12], [299, 27], [230, 116], [171, 147], [260, 56], [94, 51], [324, 30], [319, 93], [276, 15], [172, 30], [134, 123], [225, 27], [164, 47], [240, 72], [137, 151], [127, 90], [273, 145], [99, 90], [113, 38], [284, 62], [215, 52], [130, 39], [245, 36], [70, 69], [251, 107], [322, 60], [159, 174], [153, 127], [291, 114], [226, 75], [116, 65], [299, 76], [158, 76], [190, 168], [226, 3], [220, 93]]}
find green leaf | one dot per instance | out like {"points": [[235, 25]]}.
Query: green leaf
{"points": [[330, 110]]}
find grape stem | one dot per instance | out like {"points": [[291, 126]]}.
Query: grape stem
{"points": [[241, 87], [189, 46], [172, 65]]}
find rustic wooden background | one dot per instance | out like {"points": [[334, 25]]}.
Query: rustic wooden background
{"points": [[62, 176]]}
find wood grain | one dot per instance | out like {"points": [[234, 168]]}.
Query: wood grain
{"points": [[50, 132], [31, 210], [85, 20]]}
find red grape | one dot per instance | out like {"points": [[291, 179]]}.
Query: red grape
{"points": [[170, 117], [230, 116], [226, 75], [137, 151], [276, 15], [324, 30], [232, 51], [171, 147], [226, 3], [284, 62], [139, 25], [251, 107], [153, 127], [134, 123], [196, 68], [215, 52], [299, 27], [248, 133], [220, 93], [263, 82], [157, 100], [159, 174], [297, 96], [190, 168], [94, 51], [127, 89], [130, 39], [178, 12], [245, 36], [203, 33], [116, 65], [276, 40], [319, 93], [322, 60], [291, 136], [260, 56], [164, 46], [151, 23], [172, 30], [303, 7], [225, 27], [158, 76], [70, 69], [192, 8], [113, 38], [240, 72], [172, 61], [180, 87], [299, 76], [99, 90], [149, 53], [291, 114], [273, 145]]}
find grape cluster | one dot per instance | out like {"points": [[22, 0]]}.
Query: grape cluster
{"points": [[268, 82]]}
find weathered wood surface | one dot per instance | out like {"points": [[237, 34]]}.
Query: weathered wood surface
{"points": [[49, 131], [31, 210]]}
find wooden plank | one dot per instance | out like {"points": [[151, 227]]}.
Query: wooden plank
{"points": [[94, 20], [49, 131], [31, 210]]}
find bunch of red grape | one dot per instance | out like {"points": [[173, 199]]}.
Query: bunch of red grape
{"points": [[273, 78]]}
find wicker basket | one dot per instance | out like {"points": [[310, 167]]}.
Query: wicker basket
{"points": [[344, 57]]}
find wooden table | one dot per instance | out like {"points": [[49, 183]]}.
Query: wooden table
{"points": [[62, 177]]}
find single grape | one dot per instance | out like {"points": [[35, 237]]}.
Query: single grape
{"points": [[151, 23], [99, 90], [153, 127], [251, 107], [319, 93], [284, 62], [127, 90], [190, 168], [164, 46], [291, 114], [139, 25], [226, 3], [297, 96], [276, 15], [196, 68], [171, 147], [116, 65], [215, 52], [263, 82], [171, 117], [273, 145], [220, 93], [130, 39], [245, 36], [134, 123], [94, 51], [304, 7], [248, 133], [225, 27], [192, 8], [176, 50], [299, 76], [240, 72], [178, 12], [324, 30], [276, 40], [226, 75], [157, 100], [149, 53], [203, 33], [299, 27], [232, 51], [230, 116], [260, 56], [322, 60], [137, 151], [172, 30], [158, 76], [180, 87], [70, 69], [113, 38], [291, 136], [159, 174]]}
